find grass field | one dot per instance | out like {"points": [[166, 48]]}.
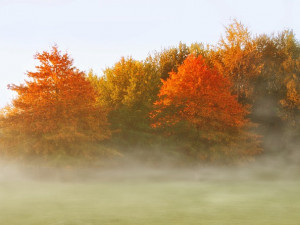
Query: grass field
{"points": [[154, 201]]}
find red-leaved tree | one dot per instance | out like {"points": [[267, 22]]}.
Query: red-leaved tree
{"points": [[201, 97]]}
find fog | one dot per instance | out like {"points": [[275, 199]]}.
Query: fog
{"points": [[264, 191], [270, 167], [129, 191]]}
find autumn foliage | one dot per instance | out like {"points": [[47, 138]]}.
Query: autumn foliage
{"points": [[237, 57], [201, 96], [222, 103], [54, 110]]}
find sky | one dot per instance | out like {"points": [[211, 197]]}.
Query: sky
{"points": [[97, 33]]}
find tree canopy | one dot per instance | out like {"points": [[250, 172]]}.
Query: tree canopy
{"points": [[226, 101], [54, 109], [201, 96]]}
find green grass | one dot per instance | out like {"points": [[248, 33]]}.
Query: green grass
{"points": [[150, 202]]}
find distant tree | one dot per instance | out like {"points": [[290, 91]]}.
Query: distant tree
{"points": [[197, 49], [278, 87], [201, 97], [55, 110], [276, 91], [94, 80], [291, 102], [169, 59], [237, 57]]}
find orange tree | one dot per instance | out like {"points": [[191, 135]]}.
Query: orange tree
{"points": [[54, 111], [201, 98], [237, 57]]}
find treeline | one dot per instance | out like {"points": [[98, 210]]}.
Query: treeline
{"points": [[222, 103]]}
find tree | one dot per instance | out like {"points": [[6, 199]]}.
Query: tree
{"points": [[238, 58], [201, 97], [129, 89], [197, 49], [54, 110], [277, 90], [287, 77], [169, 59]]}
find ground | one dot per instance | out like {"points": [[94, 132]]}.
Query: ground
{"points": [[150, 200]]}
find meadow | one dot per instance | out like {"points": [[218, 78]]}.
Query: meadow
{"points": [[203, 197]]}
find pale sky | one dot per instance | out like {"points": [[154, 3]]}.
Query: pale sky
{"points": [[97, 33]]}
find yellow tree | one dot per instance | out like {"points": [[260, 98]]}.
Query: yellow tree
{"points": [[170, 59], [129, 89], [290, 101], [54, 110], [237, 57]]}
